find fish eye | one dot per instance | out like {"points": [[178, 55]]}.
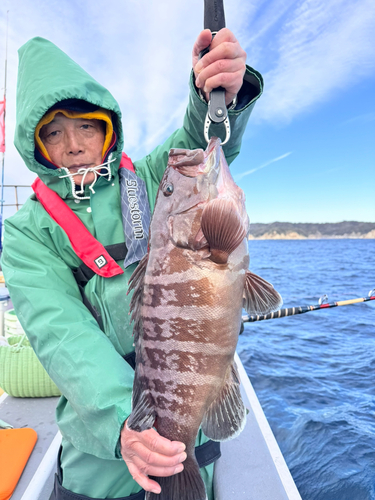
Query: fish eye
{"points": [[168, 190]]}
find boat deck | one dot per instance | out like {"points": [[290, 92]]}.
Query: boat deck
{"points": [[251, 467], [36, 481]]}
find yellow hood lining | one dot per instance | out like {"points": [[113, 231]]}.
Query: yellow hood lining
{"points": [[99, 114]]}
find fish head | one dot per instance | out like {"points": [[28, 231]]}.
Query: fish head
{"points": [[193, 180]]}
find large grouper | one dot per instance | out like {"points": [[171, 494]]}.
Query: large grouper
{"points": [[189, 291]]}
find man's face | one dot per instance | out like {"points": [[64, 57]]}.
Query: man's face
{"points": [[74, 143]]}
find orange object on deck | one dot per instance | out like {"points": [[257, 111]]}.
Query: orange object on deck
{"points": [[16, 446]]}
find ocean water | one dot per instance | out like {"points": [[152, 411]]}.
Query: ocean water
{"points": [[314, 373]]}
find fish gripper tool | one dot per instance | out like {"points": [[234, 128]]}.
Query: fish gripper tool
{"points": [[214, 20]]}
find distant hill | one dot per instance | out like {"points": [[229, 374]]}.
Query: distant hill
{"points": [[301, 231]]}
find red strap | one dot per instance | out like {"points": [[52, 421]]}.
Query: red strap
{"points": [[126, 163], [88, 249]]}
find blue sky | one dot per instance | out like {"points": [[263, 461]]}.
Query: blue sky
{"points": [[308, 154]]}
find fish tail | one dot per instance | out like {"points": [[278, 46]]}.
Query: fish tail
{"points": [[187, 485]]}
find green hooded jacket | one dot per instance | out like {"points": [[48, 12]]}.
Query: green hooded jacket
{"points": [[84, 362]]}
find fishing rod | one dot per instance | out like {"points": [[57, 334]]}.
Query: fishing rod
{"points": [[322, 304]]}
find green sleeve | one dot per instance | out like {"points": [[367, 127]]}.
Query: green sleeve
{"points": [[80, 359], [191, 134]]}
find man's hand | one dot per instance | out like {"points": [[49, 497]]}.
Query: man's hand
{"points": [[148, 453], [223, 66]]}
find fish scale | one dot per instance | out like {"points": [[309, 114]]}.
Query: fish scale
{"points": [[187, 305]]}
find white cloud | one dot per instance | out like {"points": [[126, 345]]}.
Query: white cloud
{"points": [[364, 118], [248, 172], [141, 51], [320, 48]]}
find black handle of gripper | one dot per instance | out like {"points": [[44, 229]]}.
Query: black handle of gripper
{"points": [[214, 20], [214, 17]]}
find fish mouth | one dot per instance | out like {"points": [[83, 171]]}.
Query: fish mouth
{"points": [[209, 167], [196, 162], [222, 185], [213, 166], [185, 157]]}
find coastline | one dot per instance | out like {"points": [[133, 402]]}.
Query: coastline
{"points": [[312, 231], [293, 235]]}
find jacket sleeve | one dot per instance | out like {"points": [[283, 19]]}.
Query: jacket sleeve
{"points": [[191, 134], [93, 377]]}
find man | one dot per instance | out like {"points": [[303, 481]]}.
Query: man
{"points": [[69, 133]]}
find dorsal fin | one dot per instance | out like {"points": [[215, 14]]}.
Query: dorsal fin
{"points": [[136, 282]]}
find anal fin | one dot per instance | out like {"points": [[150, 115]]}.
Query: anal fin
{"points": [[260, 297], [226, 416]]}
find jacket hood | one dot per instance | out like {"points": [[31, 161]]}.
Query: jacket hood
{"points": [[46, 76]]}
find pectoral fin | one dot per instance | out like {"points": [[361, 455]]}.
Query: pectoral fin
{"points": [[223, 228], [226, 416], [260, 297]]}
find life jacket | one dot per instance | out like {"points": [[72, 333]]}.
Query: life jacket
{"points": [[97, 259]]}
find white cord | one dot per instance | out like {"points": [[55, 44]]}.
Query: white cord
{"points": [[84, 172]]}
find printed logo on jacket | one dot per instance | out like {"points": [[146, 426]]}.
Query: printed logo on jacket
{"points": [[136, 215]]}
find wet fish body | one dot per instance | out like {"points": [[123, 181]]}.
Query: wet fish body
{"points": [[189, 291]]}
